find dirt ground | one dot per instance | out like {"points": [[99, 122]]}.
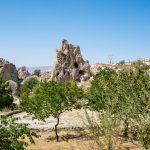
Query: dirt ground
{"points": [[72, 140]]}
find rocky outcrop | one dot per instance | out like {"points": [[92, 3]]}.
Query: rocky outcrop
{"points": [[45, 76], [23, 73], [8, 70], [95, 68], [69, 64], [13, 86]]}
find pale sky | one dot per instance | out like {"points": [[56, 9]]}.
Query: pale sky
{"points": [[32, 30]]}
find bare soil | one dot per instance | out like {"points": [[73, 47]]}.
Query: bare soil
{"points": [[72, 140]]}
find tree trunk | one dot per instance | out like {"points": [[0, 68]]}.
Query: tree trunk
{"points": [[56, 132], [13, 112], [126, 130]]}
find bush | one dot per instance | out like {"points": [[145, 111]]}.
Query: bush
{"points": [[5, 95], [27, 86], [12, 135], [142, 129]]}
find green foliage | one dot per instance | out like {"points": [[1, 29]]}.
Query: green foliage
{"points": [[122, 62], [104, 130], [5, 95], [142, 129], [27, 86], [51, 99], [37, 72], [102, 94], [12, 135], [124, 94]]}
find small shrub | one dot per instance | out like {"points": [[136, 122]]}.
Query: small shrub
{"points": [[5, 95], [12, 135]]}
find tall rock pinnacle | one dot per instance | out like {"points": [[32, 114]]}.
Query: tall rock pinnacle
{"points": [[69, 64]]}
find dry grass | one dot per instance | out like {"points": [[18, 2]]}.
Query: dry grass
{"points": [[72, 140]]}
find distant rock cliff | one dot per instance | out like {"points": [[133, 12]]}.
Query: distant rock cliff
{"points": [[8, 70], [69, 64]]}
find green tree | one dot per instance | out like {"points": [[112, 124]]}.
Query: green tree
{"points": [[103, 98], [51, 99], [12, 134], [37, 72], [124, 94], [5, 95], [27, 86], [133, 93], [121, 63], [102, 94]]}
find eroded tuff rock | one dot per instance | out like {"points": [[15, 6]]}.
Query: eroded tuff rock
{"points": [[95, 68], [13, 86], [7, 70], [45, 76], [23, 73], [69, 64]]}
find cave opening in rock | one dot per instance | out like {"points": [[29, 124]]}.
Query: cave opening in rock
{"points": [[57, 74], [64, 72], [81, 72], [76, 65]]}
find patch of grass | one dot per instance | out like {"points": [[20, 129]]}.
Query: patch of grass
{"points": [[6, 109]]}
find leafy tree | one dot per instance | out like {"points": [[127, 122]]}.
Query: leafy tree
{"points": [[51, 99], [125, 93], [102, 94], [133, 93], [27, 86], [103, 98], [5, 95], [121, 63], [12, 135], [37, 72]]}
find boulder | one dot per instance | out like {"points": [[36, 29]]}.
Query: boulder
{"points": [[45, 76], [13, 86], [69, 64], [95, 68], [8, 70]]}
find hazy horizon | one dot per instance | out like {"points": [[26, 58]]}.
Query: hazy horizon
{"points": [[32, 30]]}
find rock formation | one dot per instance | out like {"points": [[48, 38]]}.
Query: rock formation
{"points": [[23, 73], [45, 76], [13, 86], [69, 64], [8, 70], [95, 68]]}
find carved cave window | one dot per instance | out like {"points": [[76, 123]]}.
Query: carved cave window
{"points": [[76, 65], [81, 72]]}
